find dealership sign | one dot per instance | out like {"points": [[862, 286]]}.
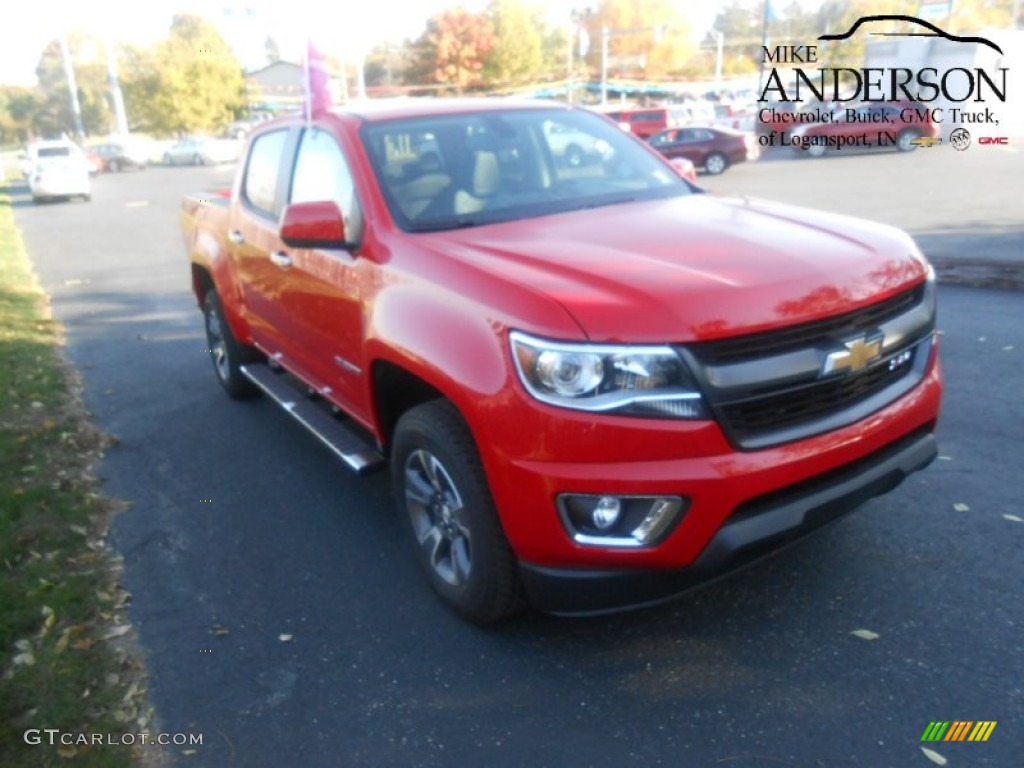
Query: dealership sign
{"points": [[936, 95]]}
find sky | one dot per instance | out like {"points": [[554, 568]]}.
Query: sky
{"points": [[334, 26]]}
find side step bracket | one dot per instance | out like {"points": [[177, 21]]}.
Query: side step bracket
{"points": [[346, 444]]}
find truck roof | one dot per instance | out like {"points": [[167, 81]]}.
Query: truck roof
{"points": [[391, 109]]}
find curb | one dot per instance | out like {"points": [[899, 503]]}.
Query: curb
{"points": [[979, 273]]}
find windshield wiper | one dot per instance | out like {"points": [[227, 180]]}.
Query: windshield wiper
{"points": [[463, 222]]}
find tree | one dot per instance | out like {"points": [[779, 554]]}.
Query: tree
{"points": [[649, 37], [517, 55], [18, 105], [190, 82], [453, 49]]}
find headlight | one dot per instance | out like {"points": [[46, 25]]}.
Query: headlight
{"points": [[628, 380]]}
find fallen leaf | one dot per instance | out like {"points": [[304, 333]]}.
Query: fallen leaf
{"points": [[285, 638], [961, 507], [865, 634], [935, 757], [124, 629], [1013, 518]]}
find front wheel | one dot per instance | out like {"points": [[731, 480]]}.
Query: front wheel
{"points": [[227, 354], [442, 491], [905, 141], [817, 150]]}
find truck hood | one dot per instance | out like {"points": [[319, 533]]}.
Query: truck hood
{"points": [[693, 268]]}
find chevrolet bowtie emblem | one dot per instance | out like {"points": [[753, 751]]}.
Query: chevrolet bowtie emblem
{"points": [[856, 356]]}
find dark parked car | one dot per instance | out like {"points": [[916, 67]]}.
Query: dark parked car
{"points": [[896, 124], [117, 157], [713, 149]]}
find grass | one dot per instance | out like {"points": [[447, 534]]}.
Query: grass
{"points": [[64, 660]]}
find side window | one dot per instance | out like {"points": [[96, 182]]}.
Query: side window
{"points": [[321, 173], [260, 185]]}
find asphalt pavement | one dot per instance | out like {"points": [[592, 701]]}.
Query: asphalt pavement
{"points": [[285, 621], [964, 209]]}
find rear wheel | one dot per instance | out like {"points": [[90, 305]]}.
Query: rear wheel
{"points": [[715, 163], [227, 354], [443, 493], [114, 166], [817, 150], [197, 159]]}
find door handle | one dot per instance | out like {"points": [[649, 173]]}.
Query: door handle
{"points": [[281, 259], [236, 237]]}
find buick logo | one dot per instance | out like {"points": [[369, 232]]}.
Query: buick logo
{"points": [[960, 139], [856, 355]]}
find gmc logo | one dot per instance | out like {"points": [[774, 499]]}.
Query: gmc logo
{"points": [[993, 140]]}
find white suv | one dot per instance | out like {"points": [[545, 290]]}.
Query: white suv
{"points": [[57, 169]]}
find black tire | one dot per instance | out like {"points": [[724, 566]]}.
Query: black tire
{"points": [[443, 494], [904, 142], [114, 166], [716, 163], [168, 160], [226, 353], [197, 159]]}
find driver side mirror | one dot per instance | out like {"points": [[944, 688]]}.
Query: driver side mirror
{"points": [[313, 225]]}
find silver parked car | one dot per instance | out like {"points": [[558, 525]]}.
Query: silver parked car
{"points": [[202, 150]]}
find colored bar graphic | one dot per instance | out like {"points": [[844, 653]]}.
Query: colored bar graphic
{"points": [[982, 731], [958, 730]]}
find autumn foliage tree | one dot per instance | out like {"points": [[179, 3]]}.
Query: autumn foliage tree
{"points": [[648, 37], [517, 55], [453, 49]]}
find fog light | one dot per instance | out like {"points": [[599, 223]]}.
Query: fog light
{"points": [[620, 521], [606, 513]]}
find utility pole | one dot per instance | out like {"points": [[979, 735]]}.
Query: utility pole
{"points": [[69, 75], [718, 61], [115, 89]]}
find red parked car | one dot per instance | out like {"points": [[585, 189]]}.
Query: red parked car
{"points": [[866, 125], [713, 149]]}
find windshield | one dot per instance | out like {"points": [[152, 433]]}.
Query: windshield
{"points": [[445, 172], [54, 152]]}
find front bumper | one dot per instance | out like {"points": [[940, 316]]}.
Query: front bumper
{"points": [[756, 529]]}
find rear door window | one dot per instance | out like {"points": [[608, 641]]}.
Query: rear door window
{"points": [[259, 186]]}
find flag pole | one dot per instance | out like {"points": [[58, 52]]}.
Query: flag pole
{"points": [[307, 100]]}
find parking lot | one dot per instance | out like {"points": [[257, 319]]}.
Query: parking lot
{"points": [[285, 620]]}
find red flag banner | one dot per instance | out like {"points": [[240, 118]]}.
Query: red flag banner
{"points": [[318, 95]]}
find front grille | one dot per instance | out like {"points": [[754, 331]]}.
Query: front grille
{"points": [[810, 334], [794, 407], [771, 388]]}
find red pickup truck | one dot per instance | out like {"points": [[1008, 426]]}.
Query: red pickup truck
{"points": [[595, 385]]}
